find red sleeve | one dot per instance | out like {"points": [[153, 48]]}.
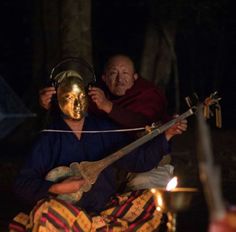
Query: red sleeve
{"points": [[141, 106], [127, 118]]}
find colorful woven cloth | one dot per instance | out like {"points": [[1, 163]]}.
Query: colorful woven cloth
{"points": [[133, 211]]}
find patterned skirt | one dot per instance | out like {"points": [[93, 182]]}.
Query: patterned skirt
{"points": [[133, 211]]}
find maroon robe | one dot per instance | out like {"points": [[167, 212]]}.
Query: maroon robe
{"points": [[142, 105]]}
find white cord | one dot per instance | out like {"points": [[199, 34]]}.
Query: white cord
{"points": [[93, 132]]}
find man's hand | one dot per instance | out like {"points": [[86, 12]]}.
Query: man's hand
{"points": [[98, 97], [70, 185], [45, 97], [176, 129]]}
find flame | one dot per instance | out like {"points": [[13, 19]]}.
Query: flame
{"points": [[172, 184], [159, 200], [153, 190]]}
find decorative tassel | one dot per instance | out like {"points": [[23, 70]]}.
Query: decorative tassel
{"points": [[218, 115]]}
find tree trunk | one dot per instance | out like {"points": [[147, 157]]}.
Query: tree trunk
{"points": [[60, 29], [159, 58], [46, 42], [156, 59], [76, 29]]}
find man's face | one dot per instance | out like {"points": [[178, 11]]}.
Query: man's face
{"points": [[72, 99], [119, 75]]}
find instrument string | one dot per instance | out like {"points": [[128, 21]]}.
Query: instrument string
{"points": [[93, 132]]}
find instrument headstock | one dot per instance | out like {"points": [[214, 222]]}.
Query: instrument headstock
{"points": [[210, 105]]}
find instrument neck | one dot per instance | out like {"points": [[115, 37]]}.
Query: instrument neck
{"points": [[155, 132]]}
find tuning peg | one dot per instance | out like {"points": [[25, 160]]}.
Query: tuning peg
{"points": [[215, 96], [188, 101], [218, 115], [196, 97]]}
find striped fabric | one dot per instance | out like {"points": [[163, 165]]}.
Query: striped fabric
{"points": [[133, 211]]}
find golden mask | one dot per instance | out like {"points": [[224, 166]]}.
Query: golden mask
{"points": [[71, 96]]}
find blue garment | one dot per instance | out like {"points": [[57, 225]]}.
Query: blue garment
{"points": [[56, 149]]}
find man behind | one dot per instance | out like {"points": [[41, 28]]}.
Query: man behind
{"points": [[128, 99]]}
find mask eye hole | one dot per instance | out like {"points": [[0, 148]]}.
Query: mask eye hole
{"points": [[68, 97]]}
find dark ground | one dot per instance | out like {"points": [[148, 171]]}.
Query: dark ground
{"points": [[195, 219]]}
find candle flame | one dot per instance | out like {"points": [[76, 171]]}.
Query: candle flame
{"points": [[153, 190], [172, 184], [158, 200]]}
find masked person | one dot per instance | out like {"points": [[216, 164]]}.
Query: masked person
{"points": [[100, 208]]}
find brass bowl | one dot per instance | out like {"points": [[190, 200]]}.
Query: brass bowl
{"points": [[176, 200]]}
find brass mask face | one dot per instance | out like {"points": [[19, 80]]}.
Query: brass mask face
{"points": [[72, 98]]}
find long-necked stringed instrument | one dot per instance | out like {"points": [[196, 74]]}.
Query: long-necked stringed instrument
{"points": [[91, 170]]}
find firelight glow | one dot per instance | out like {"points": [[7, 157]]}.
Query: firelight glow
{"points": [[172, 184]]}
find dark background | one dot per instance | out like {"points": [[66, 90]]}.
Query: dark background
{"points": [[205, 45], [205, 48]]}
